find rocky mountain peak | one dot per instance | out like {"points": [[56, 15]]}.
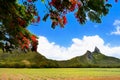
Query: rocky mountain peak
{"points": [[89, 54], [96, 50]]}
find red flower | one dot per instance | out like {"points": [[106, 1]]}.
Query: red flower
{"points": [[52, 2], [79, 4], [34, 43], [64, 20], [29, 0], [25, 43], [73, 5], [35, 13], [21, 34], [38, 19], [33, 38]]}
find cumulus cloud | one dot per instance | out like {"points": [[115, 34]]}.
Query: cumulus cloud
{"points": [[117, 27], [78, 47], [116, 22]]}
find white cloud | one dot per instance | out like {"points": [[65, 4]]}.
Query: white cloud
{"points": [[116, 23], [117, 31], [77, 48], [117, 27]]}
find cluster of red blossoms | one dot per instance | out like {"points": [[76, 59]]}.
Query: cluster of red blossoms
{"points": [[29, 0], [73, 4], [63, 9], [34, 43], [25, 42], [21, 22], [59, 5], [53, 2], [58, 20]]}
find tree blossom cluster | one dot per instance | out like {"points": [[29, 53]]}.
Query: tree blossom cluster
{"points": [[26, 42], [59, 8]]}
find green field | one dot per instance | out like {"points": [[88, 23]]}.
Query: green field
{"points": [[60, 74]]}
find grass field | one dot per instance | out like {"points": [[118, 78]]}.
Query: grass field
{"points": [[60, 74]]}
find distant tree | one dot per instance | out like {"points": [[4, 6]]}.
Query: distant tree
{"points": [[16, 16]]}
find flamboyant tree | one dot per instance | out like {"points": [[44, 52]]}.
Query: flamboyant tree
{"points": [[15, 17]]}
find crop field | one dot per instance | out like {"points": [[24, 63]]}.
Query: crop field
{"points": [[60, 74]]}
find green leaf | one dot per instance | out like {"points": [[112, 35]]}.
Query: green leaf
{"points": [[53, 25], [94, 17], [45, 17], [108, 5], [43, 1]]}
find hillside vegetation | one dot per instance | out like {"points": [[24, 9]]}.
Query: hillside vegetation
{"points": [[98, 60], [21, 60], [36, 60], [92, 59]]}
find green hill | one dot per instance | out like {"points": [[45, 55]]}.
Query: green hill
{"points": [[36, 60], [30, 59]]}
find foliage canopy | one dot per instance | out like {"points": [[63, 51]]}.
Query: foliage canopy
{"points": [[15, 17]]}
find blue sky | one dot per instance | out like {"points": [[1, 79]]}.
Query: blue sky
{"points": [[106, 35]]}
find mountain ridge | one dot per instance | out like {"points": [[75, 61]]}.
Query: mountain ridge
{"points": [[93, 59], [35, 60]]}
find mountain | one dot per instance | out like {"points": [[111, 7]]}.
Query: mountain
{"points": [[91, 59], [36, 60]]}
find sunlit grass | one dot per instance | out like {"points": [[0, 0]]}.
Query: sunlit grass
{"points": [[62, 73]]}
